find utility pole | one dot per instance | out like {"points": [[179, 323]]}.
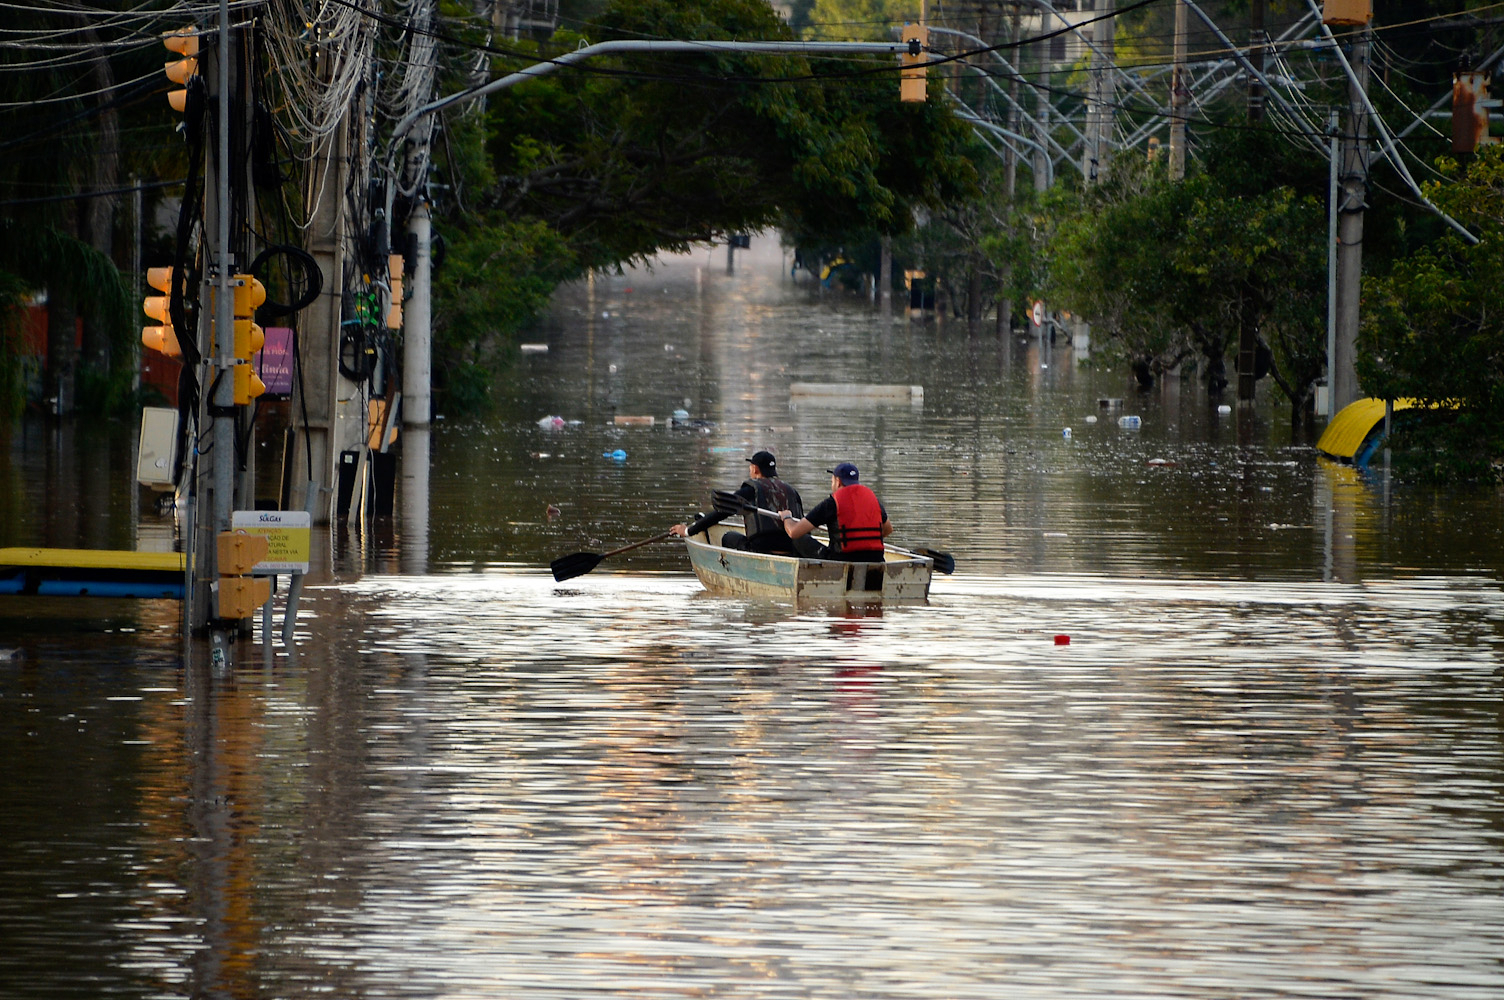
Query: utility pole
{"points": [[1180, 96], [417, 329], [331, 442], [1343, 376], [217, 487], [1258, 40], [1100, 120], [1248, 334], [1010, 173]]}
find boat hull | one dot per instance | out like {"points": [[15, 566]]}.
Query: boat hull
{"points": [[902, 577]]}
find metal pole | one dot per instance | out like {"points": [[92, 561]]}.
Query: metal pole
{"points": [[1331, 262], [221, 380]]}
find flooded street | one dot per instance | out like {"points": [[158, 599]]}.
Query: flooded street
{"points": [[1267, 763]]}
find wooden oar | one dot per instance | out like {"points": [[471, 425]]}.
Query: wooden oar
{"points": [[579, 563], [727, 502]]}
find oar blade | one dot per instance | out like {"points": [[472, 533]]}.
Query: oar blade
{"points": [[727, 502], [944, 562], [573, 565]]}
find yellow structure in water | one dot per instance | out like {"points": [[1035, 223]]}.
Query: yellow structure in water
{"points": [[91, 573], [1353, 425]]}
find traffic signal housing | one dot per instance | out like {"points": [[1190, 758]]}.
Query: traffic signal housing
{"points": [[912, 85], [162, 337], [184, 42], [249, 338], [1470, 104]]}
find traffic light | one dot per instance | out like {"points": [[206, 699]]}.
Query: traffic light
{"points": [[161, 337], [394, 279], [912, 85], [240, 593], [249, 338], [184, 42], [1470, 104]]}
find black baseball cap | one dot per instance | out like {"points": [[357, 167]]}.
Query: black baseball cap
{"points": [[765, 461]]}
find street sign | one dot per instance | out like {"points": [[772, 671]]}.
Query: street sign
{"points": [[288, 538], [1038, 313]]}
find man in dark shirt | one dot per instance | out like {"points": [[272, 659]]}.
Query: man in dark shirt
{"points": [[762, 488], [855, 518]]}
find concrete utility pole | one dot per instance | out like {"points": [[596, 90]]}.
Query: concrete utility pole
{"points": [[1180, 96], [1258, 39], [1343, 376], [1248, 334], [333, 441], [417, 317], [1005, 300], [1101, 122]]}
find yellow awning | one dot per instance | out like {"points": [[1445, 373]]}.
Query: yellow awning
{"points": [[1347, 431]]}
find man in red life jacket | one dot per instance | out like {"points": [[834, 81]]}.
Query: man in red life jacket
{"points": [[855, 518]]}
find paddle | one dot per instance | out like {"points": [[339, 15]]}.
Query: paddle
{"points": [[579, 563], [727, 502]]}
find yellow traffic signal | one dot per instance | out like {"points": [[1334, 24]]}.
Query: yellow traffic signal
{"points": [[1470, 106], [162, 340], [184, 42], [249, 294], [912, 85], [249, 338], [394, 279], [163, 337], [248, 384]]}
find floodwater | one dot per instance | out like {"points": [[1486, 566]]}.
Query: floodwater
{"points": [[1267, 763]]}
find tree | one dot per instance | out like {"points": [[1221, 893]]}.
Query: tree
{"points": [[1173, 270], [1433, 331], [629, 156]]}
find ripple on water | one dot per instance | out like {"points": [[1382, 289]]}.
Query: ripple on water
{"points": [[626, 786]]}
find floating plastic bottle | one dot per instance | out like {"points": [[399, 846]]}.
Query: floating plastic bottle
{"points": [[1130, 422], [619, 455]]}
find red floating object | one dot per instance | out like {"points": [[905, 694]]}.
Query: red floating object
{"points": [[1062, 640]]}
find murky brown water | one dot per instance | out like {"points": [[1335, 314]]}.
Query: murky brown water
{"points": [[1267, 764]]}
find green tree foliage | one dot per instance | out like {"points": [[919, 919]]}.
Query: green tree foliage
{"points": [[71, 86], [498, 275], [646, 153], [1433, 329], [1172, 270], [869, 19], [624, 157]]}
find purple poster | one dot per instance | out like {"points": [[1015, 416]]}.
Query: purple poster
{"points": [[274, 364]]}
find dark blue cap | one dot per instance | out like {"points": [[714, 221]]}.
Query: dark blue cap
{"points": [[845, 472]]}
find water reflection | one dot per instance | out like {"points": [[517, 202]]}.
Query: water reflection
{"points": [[1267, 764]]}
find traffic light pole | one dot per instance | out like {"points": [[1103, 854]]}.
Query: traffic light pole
{"points": [[213, 498]]}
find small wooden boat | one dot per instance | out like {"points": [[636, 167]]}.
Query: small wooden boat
{"points": [[901, 576]]}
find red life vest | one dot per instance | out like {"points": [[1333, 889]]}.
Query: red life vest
{"points": [[859, 518]]}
